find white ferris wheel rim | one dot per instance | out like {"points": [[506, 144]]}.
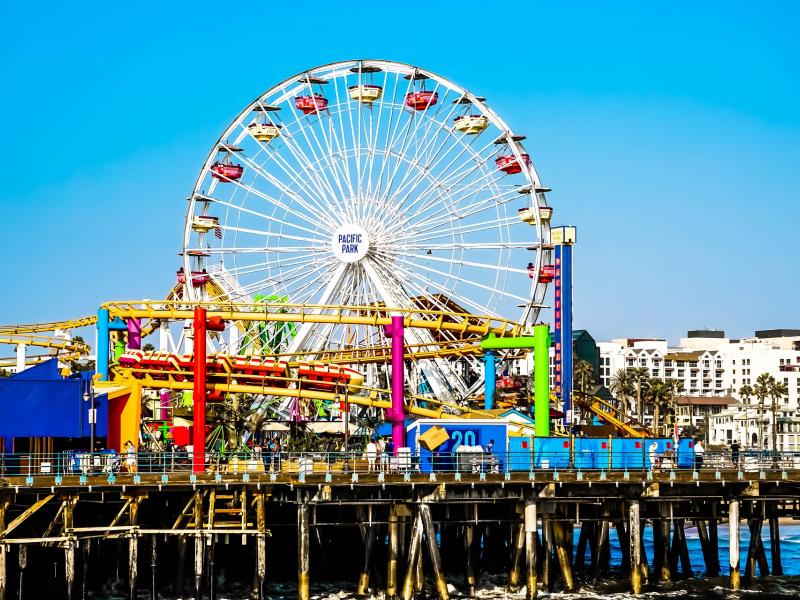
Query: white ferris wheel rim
{"points": [[289, 87]]}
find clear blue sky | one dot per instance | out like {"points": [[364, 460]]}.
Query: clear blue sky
{"points": [[669, 131]]}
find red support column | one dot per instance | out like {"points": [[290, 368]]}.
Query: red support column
{"points": [[199, 392]]}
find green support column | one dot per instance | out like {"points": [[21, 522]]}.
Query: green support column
{"points": [[541, 371]]}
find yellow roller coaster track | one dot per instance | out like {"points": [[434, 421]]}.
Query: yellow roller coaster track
{"points": [[44, 327], [453, 322], [611, 415], [73, 348]]}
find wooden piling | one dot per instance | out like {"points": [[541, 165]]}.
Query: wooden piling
{"points": [[531, 542], [733, 529], [69, 545], [391, 563], [514, 574], [261, 543], [469, 568], [199, 550], [414, 556], [601, 543], [3, 550], [363, 579], [635, 538], [433, 551], [665, 562], [303, 550], [775, 545], [22, 562], [561, 544], [153, 566], [624, 546], [133, 546]]}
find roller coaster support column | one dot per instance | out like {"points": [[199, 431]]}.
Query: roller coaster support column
{"points": [[396, 333], [134, 334], [541, 374], [199, 391], [563, 238], [20, 357], [489, 375], [102, 343]]}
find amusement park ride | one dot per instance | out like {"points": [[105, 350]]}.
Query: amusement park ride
{"points": [[364, 236]]}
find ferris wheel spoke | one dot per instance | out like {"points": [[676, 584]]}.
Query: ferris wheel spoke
{"points": [[314, 212], [333, 171], [463, 200], [500, 245], [406, 140], [309, 174], [279, 234], [452, 183], [467, 263], [428, 285], [463, 280], [459, 229], [275, 202], [329, 177], [466, 151], [457, 211], [328, 293], [422, 150], [261, 215]]}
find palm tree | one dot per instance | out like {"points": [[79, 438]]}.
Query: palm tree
{"points": [[659, 394], [583, 373], [746, 392], [623, 386], [777, 390], [641, 375], [761, 390]]}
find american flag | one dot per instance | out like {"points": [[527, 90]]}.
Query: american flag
{"points": [[218, 232]]}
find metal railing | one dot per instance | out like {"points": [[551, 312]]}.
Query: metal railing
{"points": [[113, 464]]}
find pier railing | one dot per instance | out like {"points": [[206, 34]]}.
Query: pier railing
{"points": [[114, 464]]}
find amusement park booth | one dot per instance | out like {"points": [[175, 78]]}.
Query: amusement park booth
{"points": [[42, 411], [457, 444]]}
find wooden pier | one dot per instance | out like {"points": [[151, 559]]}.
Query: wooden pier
{"points": [[392, 531]]}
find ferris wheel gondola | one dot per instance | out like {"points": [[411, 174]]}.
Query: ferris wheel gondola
{"points": [[372, 183]]}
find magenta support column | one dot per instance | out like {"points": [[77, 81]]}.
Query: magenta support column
{"points": [[397, 416], [134, 334]]}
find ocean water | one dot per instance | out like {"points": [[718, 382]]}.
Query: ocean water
{"points": [[493, 587]]}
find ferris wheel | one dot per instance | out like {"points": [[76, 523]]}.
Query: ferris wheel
{"points": [[370, 183]]}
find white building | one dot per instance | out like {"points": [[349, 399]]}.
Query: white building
{"points": [[709, 364]]}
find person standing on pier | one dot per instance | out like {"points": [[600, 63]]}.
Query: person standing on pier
{"points": [[699, 451], [735, 454], [130, 457]]}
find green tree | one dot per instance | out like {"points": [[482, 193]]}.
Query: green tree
{"points": [[777, 390], [761, 390], [746, 392], [583, 375], [623, 386], [641, 375], [659, 394]]}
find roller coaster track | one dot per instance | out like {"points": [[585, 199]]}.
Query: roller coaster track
{"points": [[607, 413], [45, 327], [457, 323], [292, 387], [73, 348]]}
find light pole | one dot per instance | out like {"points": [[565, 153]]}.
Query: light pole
{"points": [[88, 396]]}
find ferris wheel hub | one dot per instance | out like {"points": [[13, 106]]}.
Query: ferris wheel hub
{"points": [[350, 243]]}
